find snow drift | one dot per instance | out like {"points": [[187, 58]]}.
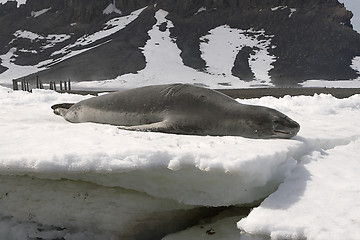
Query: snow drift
{"points": [[79, 179]]}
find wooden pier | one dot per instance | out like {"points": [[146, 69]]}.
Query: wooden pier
{"points": [[65, 86], [24, 85]]}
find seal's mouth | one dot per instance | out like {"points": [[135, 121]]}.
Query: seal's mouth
{"points": [[285, 127], [282, 132]]}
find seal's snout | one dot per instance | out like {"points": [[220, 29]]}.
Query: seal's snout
{"points": [[285, 127]]}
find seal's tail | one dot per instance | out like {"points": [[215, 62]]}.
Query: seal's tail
{"points": [[61, 108]]}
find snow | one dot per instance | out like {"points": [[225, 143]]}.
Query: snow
{"points": [[27, 34], [184, 155], [93, 181], [85, 42], [220, 48], [316, 200], [111, 8], [50, 167], [112, 26], [292, 10], [323, 187], [19, 2], [163, 60], [332, 84], [8, 59], [202, 9], [356, 64], [15, 71], [278, 8], [51, 39], [163, 56], [36, 14]]}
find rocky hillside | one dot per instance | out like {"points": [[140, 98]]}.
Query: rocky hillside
{"points": [[103, 39]]}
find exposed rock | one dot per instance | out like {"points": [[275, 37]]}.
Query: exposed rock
{"points": [[243, 70]]}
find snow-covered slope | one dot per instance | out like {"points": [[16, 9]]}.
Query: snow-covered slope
{"points": [[164, 64], [218, 46], [85, 43], [161, 53], [92, 179]]}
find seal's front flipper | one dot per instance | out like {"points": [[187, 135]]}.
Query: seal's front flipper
{"points": [[163, 126]]}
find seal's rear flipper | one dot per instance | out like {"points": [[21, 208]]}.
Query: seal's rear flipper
{"points": [[163, 126], [60, 108], [62, 105]]}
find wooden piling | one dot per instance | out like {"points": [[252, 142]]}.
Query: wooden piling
{"points": [[51, 86], [54, 86], [69, 86], [23, 84], [41, 84], [15, 85], [27, 86], [37, 81]]}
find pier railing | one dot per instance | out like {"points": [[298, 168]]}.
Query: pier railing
{"points": [[25, 85]]}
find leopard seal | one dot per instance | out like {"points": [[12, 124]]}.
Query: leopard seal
{"points": [[180, 109]]}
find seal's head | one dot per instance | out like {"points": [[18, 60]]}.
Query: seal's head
{"points": [[263, 122]]}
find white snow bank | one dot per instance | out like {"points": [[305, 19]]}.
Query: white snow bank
{"points": [[318, 197], [47, 164], [161, 165], [317, 201]]}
